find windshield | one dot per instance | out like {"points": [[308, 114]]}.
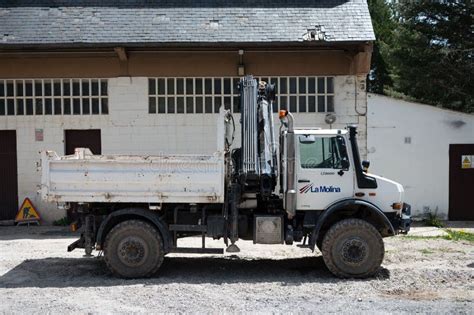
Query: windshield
{"points": [[324, 152]]}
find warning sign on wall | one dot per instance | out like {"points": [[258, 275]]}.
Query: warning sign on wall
{"points": [[27, 213], [467, 161]]}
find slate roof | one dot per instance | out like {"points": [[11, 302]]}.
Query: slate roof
{"points": [[185, 22]]}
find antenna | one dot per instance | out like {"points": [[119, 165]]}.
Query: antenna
{"points": [[330, 119]]}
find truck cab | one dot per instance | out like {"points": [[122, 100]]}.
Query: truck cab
{"points": [[321, 168], [326, 172]]}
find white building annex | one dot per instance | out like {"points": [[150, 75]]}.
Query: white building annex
{"points": [[422, 147]]}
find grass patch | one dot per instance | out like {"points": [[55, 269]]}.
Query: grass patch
{"points": [[426, 251], [452, 236], [419, 237], [459, 236]]}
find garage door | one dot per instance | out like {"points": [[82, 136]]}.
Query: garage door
{"points": [[461, 182], [8, 175]]}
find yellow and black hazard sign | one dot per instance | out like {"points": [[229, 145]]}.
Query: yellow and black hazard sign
{"points": [[467, 162], [27, 212]]}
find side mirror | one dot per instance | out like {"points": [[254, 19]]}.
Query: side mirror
{"points": [[345, 164], [365, 165]]}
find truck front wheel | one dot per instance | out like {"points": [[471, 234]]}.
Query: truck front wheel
{"points": [[133, 249], [353, 248]]}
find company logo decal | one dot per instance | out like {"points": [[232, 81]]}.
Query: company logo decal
{"points": [[319, 189]]}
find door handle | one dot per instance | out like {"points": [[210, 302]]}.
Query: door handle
{"points": [[303, 180]]}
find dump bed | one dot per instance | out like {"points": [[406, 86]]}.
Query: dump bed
{"points": [[84, 177]]}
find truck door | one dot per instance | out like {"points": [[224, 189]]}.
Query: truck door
{"points": [[323, 171]]}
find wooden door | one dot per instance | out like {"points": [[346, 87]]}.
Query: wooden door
{"points": [[461, 182], [8, 175]]}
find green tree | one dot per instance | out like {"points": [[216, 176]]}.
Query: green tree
{"points": [[432, 55], [384, 25]]}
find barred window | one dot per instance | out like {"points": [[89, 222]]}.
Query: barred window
{"points": [[206, 95], [53, 97]]}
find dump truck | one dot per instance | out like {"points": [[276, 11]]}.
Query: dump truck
{"points": [[307, 187]]}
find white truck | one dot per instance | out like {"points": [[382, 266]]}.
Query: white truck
{"points": [[314, 191]]}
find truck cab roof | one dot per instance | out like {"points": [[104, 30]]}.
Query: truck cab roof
{"points": [[318, 131]]}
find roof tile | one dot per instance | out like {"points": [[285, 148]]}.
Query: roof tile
{"points": [[63, 22]]}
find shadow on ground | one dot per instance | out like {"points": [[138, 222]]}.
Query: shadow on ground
{"points": [[91, 272], [8, 233]]}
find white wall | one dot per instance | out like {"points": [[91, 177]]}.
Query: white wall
{"points": [[422, 166], [130, 129]]}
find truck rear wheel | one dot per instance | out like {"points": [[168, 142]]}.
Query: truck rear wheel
{"points": [[353, 248], [133, 249]]}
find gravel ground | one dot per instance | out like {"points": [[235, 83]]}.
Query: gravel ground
{"points": [[37, 275]]}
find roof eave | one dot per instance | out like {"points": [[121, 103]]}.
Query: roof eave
{"points": [[183, 45]]}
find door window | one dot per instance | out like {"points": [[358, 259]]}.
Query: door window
{"points": [[322, 152]]}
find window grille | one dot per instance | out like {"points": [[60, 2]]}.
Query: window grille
{"points": [[299, 94], [53, 97]]}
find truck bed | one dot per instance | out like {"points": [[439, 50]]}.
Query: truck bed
{"points": [[84, 177]]}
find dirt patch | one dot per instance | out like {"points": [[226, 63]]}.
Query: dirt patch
{"points": [[418, 275]]}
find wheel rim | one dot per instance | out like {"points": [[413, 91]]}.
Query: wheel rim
{"points": [[354, 251], [132, 251]]}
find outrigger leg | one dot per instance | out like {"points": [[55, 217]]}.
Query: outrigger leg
{"points": [[234, 216]]}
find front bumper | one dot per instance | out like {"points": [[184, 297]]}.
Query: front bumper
{"points": [[404, 221]]}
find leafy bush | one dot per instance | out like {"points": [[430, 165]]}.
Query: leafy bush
{"points": [[62, 222], [432, 219]]}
